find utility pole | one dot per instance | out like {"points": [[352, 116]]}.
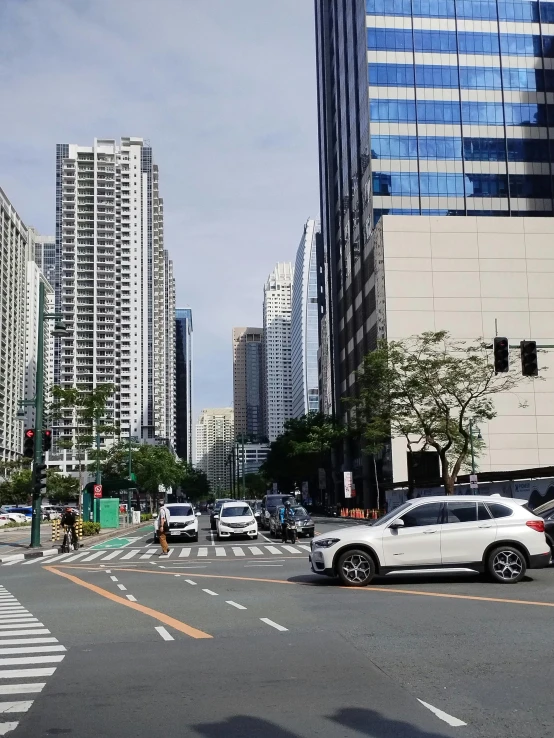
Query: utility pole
{"points": [[243, 471], [39, 412]]}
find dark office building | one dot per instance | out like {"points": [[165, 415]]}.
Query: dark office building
{"points": [[183, 383]]}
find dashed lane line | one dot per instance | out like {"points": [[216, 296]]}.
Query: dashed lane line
{"points": [[130, 597], [453, 721], [164, 633], [189, 581], [273, 624], [235, 604], [210, 592]]}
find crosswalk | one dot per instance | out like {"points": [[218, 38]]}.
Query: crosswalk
{"points": [[146, 553], [28, 652]]}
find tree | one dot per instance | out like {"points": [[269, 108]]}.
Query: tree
{"points": [[256, 485], [194, 482], [61, 488], [17, 489], [427, 388]]}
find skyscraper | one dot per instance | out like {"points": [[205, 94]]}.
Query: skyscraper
{"points": [[248, 382], [183, 383], [277, 351], [214, 442], [304, 325], [117, 291]]}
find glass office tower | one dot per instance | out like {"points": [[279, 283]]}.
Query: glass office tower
{"points": [[431, 107], [183, 383]]}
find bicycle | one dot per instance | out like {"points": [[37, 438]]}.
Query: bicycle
{"points": [[70, 541]]}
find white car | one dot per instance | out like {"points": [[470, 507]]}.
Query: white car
{"points": [[236, 519], [4, 519], [15, 517], [183, 522], [493, 534]]}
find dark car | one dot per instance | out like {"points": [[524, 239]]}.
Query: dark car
{"points": [[546, 512], [215, 511], [305, 526], [269, 504]]}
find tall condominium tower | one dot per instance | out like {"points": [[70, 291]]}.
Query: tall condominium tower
{"points": [[214, 443], [183, 383], [117, 292], [304, 325], [277, 352], [248, 382]]}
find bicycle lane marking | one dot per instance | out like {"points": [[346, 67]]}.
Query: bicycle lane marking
{"points": [[156, 614]]}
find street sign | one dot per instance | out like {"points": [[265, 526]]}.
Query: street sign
{"points": [[347, 485], [473, 484], [97, 489], [321, 478]]}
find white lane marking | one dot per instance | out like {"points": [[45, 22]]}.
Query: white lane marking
{"points": [[95, 555], [247, 566], [189, 581], [130, 554], [111, 556], [108, 571], [202, 551], [235, 604], [209, 591], [38, 560], [454, 722], [32, 649], [152, 550], [256, 551], [272, 550], [291, 549], [130, 597], [32, 660], [122, 587], [184, 552], [212, 536], [114, 579], [170, 552], [164, 634], [19, 688], [32, 623], [6, 728], [23, 641], [11, 563], [237, 550], [15, 706], [40, 630], [13, 610], [273, 624], [220, 551], [18, 620], [147, 556], [265, 537], [24, 673], [76, 556], [303, 545]]}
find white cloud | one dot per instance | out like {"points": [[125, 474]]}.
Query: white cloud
{"points": [[225, 92]]}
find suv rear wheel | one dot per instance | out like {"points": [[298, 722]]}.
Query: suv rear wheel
{"points": [[506, 565], [355, 568]]}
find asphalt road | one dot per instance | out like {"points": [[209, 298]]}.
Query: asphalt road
{"points": [[17, 540], [253, 644]]}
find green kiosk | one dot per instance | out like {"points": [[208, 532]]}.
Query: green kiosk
{"points": [[105, 509]]}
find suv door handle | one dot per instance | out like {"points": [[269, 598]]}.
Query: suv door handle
{"points": [[486, 526], [428, 532]]}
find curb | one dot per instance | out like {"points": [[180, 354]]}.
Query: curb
{"points": [[30, 555]]}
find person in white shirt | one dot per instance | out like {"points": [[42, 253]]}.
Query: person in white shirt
{"points": [[163, 527]]}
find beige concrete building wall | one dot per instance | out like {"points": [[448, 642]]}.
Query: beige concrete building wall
{"points": [[462, 274]]}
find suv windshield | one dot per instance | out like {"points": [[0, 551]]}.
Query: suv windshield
{"points": [[184, 510], [235, 512], [392, 513]]}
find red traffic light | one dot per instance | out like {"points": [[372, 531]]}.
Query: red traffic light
{"points": [[30, 433]]}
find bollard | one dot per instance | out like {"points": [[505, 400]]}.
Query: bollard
{"points": [[55, 530], [79, 528]]}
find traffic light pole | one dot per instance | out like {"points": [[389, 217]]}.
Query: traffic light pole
{"points": [[39, 412]]}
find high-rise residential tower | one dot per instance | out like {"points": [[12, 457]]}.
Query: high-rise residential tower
{"points": [[248, 382], [214, 443], [304, 325], [183, 383], [117, 291], [277, 351]]}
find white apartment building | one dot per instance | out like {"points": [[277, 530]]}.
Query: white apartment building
{"points": [[116, 285], [277, 348], [214, 442]]}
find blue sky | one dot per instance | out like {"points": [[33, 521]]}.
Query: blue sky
{"points": [[225, 92]]}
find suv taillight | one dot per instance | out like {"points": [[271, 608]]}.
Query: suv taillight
{"points": [[537, 525]]}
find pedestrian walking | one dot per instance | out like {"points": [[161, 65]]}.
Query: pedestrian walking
{"points": [[163, 527]]}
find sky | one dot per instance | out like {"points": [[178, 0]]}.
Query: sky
{"points": [[225, 93]]}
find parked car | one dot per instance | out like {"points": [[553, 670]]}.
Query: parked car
{"points": [[183, 522], [497, 535], [236, 518], [546, 512], [305, 526], [51, 512], [269, 504], [4, 519], [15, 517], [26, 512], [215, 511]]}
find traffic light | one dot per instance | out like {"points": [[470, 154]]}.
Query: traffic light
{"points": [[29, 443], [40, 479], [529, 360], [501, 349], [47, 440]]}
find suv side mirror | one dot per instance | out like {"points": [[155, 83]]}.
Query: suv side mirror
{"points": [[399, 523], [198, 514], [216, 516]]}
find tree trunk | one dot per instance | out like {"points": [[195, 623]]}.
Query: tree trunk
{"points": [[447, 479]]}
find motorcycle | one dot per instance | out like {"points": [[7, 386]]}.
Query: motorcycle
{"points": [[289, 531]]}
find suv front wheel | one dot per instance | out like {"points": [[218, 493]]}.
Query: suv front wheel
{"points": [[506, 565], [355, 568]]}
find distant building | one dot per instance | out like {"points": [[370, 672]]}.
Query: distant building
{"points": [[304, 325], [183, 383], [214, 443], [277, 349], [248, 382], [254, 456]]}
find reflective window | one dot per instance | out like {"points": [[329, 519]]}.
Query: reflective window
{"points": [[483, 512], [461, 512], [435, 184], [427, 514], [474, 149], [471, 9], [499, 511], [441, 111]]}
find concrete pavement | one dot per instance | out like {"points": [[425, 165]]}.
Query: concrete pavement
{"points": [[256, 645]]}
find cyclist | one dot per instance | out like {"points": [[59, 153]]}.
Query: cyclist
{"points": [[69, 523]]}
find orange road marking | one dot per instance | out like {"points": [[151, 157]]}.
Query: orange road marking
{"points": [[162, 617], [368, 589]]}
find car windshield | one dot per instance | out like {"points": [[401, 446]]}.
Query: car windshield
{"points": [[386, 518], [300, 512], [235, 511], [184, 510], [219, 503]]}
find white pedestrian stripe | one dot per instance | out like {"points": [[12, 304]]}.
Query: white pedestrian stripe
{"points": [[453, 721], [25, 673], [111, 555], [95, 555], [6, 728], [255, 550], [184, 552], [15, 707], [32, 649], [23, 641], [22, 688], [303, 545], [202, 551], [219, 551], [272, 549], [130, 554], [20, 661], [291, 549], [237, 550]]}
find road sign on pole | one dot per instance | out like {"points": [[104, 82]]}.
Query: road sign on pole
{"points": [[97, 489], [347, 485], [473, 483]]}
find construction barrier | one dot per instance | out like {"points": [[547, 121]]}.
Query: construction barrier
{"points": [[358, 513], [55, 530]]}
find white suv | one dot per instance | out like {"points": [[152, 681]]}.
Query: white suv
{"points": [[236, 519], [478, 533]]}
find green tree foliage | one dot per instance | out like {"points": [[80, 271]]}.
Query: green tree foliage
{"points": [[194, 483], [256, 486], [17, 489], [60, 487], [426, 389]]}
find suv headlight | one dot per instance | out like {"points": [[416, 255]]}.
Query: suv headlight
{"points": [[325, 542]]}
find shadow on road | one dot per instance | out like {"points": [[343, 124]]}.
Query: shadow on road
{"points": [[243, 726], [372, 723]]}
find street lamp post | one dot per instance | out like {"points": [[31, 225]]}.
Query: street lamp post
{"points": [[471, 445]]}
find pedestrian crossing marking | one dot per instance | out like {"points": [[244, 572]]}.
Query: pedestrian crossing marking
{"points": [[184, 552], [238, 551], [220, 551], [202, 551], [272, 549], [255, 550], [128, 555]]}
